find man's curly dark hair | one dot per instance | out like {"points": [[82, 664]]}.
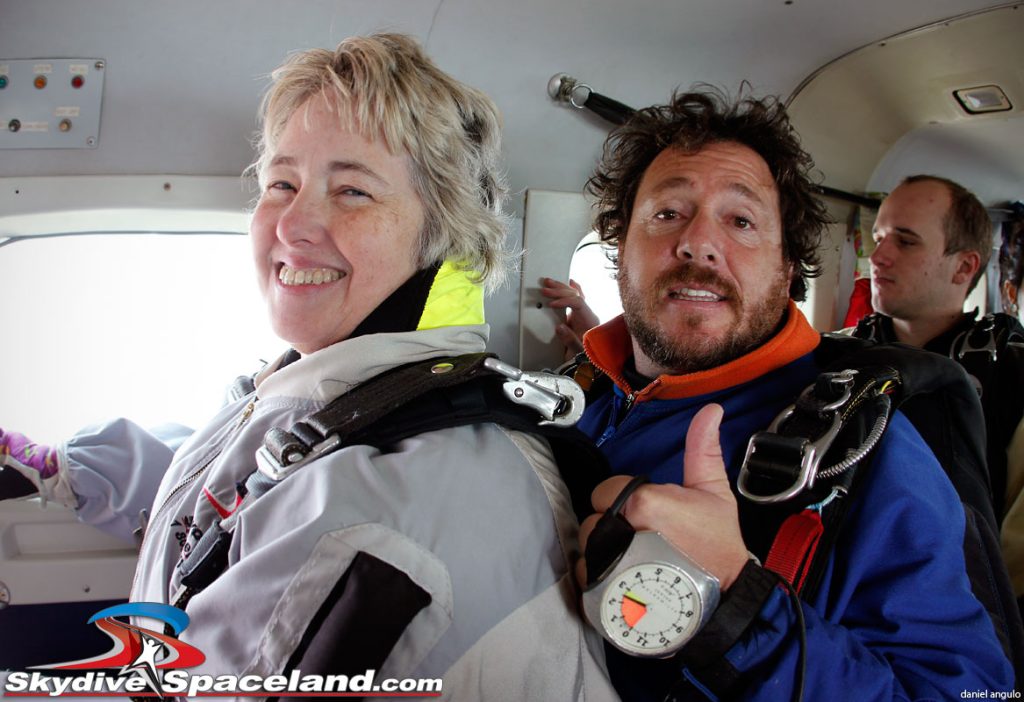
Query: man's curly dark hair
{"points": [[693, 120]]}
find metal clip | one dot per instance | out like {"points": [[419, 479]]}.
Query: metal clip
{"points": [[811, 453], [556, 398], [842, 378], [270, 467], [967, 346]]}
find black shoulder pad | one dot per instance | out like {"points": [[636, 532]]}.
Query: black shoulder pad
{"points": [[360, 621]]}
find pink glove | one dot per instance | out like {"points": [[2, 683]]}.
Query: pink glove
{"points": [[23, 465]]}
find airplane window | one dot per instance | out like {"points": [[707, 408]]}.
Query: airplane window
{"points": [[149, 327], [591, 268]]}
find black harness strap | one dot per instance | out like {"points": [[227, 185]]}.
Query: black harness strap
{"points": [[368, 403], [410, 400], [478, 400], [987, 351], [990, 349]]}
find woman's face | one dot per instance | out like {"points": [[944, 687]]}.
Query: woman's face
{"points": [[1013, 300], [335, 231]]}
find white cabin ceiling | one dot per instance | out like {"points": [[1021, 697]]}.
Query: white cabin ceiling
{"points": [[183, 78], [888, 108]]}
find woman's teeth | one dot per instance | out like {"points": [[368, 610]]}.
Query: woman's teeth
{"points": [[308, 276]]}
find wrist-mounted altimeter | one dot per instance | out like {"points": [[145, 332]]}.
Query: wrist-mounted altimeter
{"points": [[644, 596]]}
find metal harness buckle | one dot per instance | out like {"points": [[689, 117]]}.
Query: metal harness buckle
{"points": [[277, 471], [770, 447], [963, 345], [556, 398]]}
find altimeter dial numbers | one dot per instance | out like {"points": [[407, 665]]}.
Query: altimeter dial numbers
{"points": [[649, 608], [652, 600]]}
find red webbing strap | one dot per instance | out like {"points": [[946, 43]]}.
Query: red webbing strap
{"points": [[793, 550]]}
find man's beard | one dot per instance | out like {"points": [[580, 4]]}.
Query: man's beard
{"points": [[689, 353]]}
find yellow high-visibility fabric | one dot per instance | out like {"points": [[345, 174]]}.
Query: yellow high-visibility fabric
{"points": [[454, 299]]}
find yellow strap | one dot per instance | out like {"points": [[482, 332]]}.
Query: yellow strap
{"points": [[454, 299]]}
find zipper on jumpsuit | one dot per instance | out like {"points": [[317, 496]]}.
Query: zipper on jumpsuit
{"points": [[189, 479], [629, 401], [623, 412]]}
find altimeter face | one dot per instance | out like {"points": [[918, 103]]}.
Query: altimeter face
{"points": [[650, 609]]}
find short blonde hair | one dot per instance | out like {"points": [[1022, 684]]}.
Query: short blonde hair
{"points": [[450, 131]]}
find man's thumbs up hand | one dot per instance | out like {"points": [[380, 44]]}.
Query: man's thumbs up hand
{"points": [[698, 517]]}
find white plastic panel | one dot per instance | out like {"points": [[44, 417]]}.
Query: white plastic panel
{"points": [[554, 223], [44, 205], [50, 103], [48, 556]]}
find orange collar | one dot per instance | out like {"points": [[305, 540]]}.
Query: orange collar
{"points": [[609, 347]]}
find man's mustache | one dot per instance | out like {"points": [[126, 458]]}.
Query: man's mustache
{"points": [[692, 275]]}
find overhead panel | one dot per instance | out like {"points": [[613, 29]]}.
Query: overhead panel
{"points": [[50, 103]]}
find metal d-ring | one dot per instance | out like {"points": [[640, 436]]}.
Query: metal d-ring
{"points": [[572, 95]]}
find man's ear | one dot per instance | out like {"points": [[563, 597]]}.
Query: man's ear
{"points": [[791, 276], [967, 265]]}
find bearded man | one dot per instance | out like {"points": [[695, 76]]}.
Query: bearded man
{"points": [[716, 226]]}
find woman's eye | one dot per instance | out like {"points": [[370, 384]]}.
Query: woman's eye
{"points": [[742, 223], [355, 192], [280, 185], [666, 215]]}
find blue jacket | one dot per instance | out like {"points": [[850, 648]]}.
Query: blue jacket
{"points": [[894, 617]]}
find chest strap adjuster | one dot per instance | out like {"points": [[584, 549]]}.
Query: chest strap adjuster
{"points": [[282, 453], [791, 451], [793, 461]]}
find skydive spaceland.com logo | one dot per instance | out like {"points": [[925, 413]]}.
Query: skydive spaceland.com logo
{"points": [[148, 663]]}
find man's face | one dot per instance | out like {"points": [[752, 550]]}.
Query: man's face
{"points": [[911, 276], [701, 271]]}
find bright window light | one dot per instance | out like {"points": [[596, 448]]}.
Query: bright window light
{"points": [[591, 268], [149, 327]]}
